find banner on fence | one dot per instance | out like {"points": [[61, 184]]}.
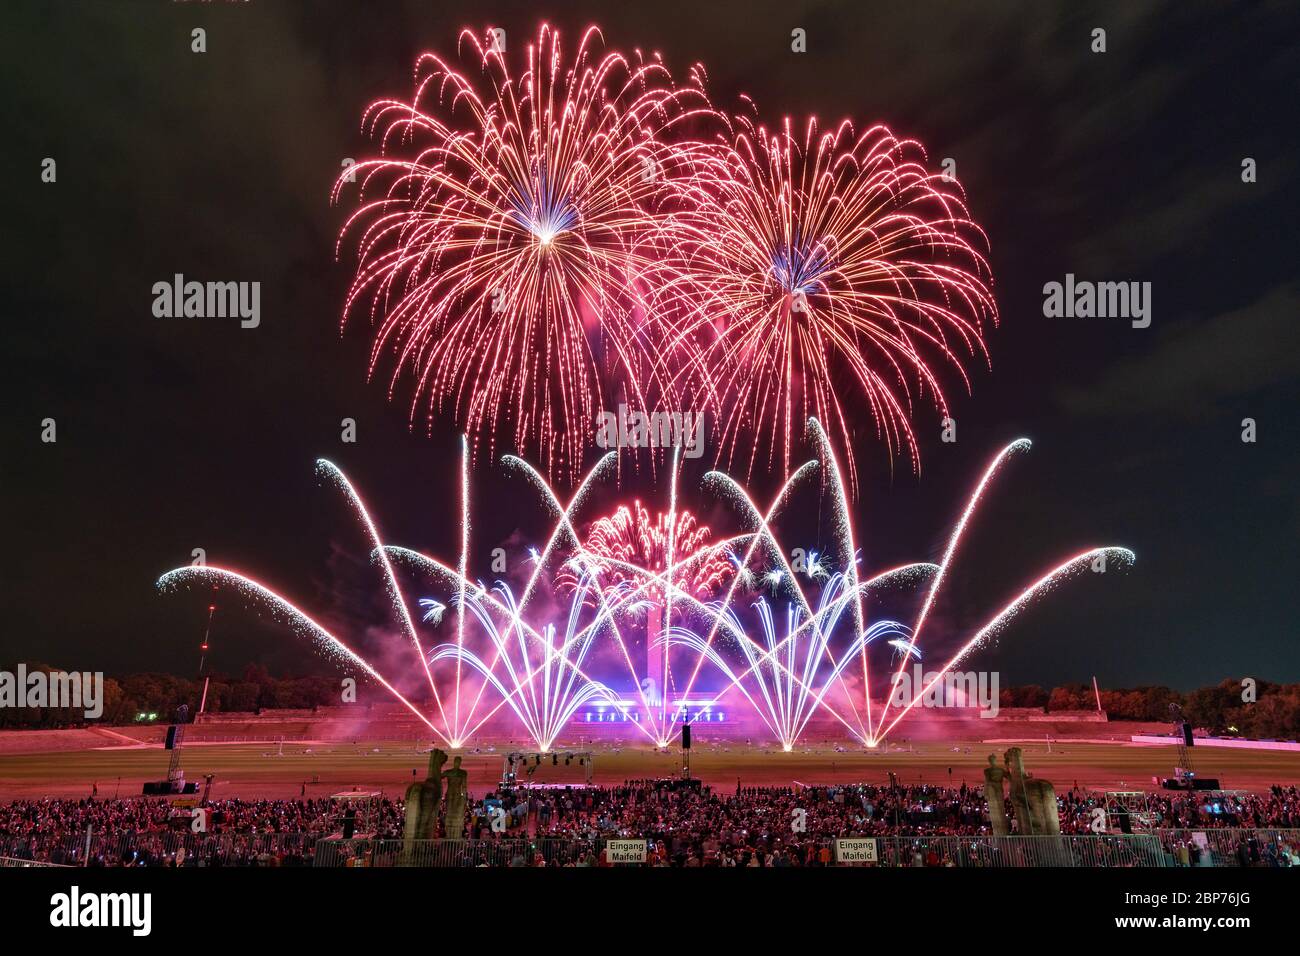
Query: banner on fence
{"points": [[857, 850], [625, 851]]}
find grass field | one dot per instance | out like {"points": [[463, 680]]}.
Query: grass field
{"points": [[269, 769]]}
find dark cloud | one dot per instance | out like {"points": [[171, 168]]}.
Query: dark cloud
{"points": [[1196, 370], [1122, 166]]}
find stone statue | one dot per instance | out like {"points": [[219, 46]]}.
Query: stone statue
{"points": [[457, 796], [1015, 767], [423, 799], [1032, 801], [1042, 807], [993, 776]]}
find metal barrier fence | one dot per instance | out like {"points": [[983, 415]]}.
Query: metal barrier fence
{"points": [[963, 851], [164, 848], [1066, 850], [455, 853], [10, 862], [1233, 847], [1160, 848]]}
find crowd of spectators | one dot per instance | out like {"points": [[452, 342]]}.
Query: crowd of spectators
{"points": [[155, 831], [693, 825], [684, 823]]}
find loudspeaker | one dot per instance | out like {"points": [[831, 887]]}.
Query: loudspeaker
{"points": [[171, 737], [1206, 783], [1188, 739], [349, 823], [686, 736]]}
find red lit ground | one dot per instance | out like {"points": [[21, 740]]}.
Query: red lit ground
{"points": [[67, 763]]}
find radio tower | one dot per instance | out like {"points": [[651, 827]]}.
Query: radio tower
{"points": [[203, 657], [1184, 773]]}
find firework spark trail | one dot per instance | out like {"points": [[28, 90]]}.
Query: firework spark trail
{"points": [[564, 522], [800, 256], [787, 571], [1019, 445], [791, 698], [605, 615], [511, 219], [461, 583], [464, 559], [631, 535], [561, 697], [661, 582], [514, 623], [668, 563], [629, 594], [789, 701], [563, 513], [454, 735], [723, 615], [667, 579], [758, 657], [999, 620], [905, 649], [763, 534], [539, 674], [843, 532], [651, 581], [716, 262], [329, 469], [298, 619]]}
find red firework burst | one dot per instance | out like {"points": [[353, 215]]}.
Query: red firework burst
{"points": [[501, 261], [816, 272], [624, 552], [632, 536]]}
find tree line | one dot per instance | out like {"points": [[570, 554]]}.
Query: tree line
{"points": [[1234, 707], [151, 697]]}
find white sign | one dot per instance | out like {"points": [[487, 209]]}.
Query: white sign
{"points": [[625, 851], [858, 850]]}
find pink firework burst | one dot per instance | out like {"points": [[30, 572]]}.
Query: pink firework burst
{"points": [[631, 536], [624, 553], [503, 233], [816, 272]]}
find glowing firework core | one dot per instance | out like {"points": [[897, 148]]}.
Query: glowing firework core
{"points": [[631, 536], [617, 238]]}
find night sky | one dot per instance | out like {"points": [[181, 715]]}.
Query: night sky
{"points": [[175, 434]]}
